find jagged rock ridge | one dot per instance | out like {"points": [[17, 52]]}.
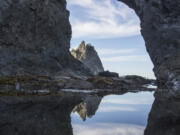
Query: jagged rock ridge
{"points": [[89, 57]]}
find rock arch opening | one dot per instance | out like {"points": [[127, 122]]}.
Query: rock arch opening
{"points": [[114, 29]]}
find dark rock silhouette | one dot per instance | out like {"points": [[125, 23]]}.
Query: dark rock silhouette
{"points": [[37, 115], [108, 74], [89, 57], [160, 22], [35, 38], [164, 118]]}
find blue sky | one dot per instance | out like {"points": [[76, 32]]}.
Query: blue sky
{"points": [[114, 30]]}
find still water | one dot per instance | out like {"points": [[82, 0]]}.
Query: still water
{"points": [[125, 114], [90, 114]]}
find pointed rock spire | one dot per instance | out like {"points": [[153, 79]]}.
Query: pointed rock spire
{"points": [[89, 57]]}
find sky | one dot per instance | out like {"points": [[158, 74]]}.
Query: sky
{"points": [[114, 30]]}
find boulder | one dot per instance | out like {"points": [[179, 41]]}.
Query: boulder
{"points": [[108, 74]]}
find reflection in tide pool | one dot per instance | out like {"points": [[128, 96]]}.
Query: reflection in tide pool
{"points": [[113, 115]]}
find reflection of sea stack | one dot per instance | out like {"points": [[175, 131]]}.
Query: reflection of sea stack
{"points": [[88, 107], [81, 109], [89, 57]]}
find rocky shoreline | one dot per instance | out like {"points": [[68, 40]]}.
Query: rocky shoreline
{"points": [[45, 84]]}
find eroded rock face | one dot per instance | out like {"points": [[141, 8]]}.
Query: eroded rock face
{"points": [[35, 38], [160, 27], [89, 57]]}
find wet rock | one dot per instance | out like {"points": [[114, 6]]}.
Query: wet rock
{"points": [[35, 85], [139, 80], [108, 74], [89, 57], [160, 27], [120, 83]]}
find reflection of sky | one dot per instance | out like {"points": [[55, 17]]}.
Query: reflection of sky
{"points": [[107, 129], [116, 115]]}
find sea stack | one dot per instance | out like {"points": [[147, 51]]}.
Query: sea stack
{"points": [[89, 57]]}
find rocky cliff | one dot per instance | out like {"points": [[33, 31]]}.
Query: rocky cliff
{"points": [[160, 27], [89, 57], [35, 38]]}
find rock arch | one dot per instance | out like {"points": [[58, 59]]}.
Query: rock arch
{"points": [[160, 28]]}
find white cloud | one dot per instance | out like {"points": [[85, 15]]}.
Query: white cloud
{"points": [[127, 58], [103, 19], [103, 30], [83, 3], [115, 109], [124, 101], [108, 129], [130, 99], [115, 51]]}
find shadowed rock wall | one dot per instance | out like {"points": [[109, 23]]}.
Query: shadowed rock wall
{"points": [[35, 38]]}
